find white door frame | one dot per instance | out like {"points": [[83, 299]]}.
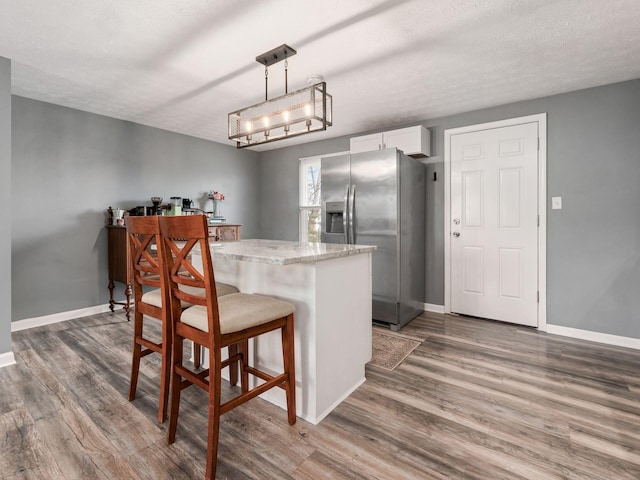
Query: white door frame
{"points": [[541, 119]]}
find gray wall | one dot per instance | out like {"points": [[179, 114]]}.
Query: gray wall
{"points": [[69, 166], [5, 201], [593, 243], [279, 193]]}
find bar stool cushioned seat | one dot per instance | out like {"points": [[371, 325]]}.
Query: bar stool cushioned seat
{"points": [[239, 311], [154, 297]]}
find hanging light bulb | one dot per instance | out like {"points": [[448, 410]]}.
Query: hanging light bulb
{"points": [[286, 115], [307, 113]]}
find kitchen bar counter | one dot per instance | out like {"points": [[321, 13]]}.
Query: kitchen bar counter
{"points": [[330, 286], [278, 252]]}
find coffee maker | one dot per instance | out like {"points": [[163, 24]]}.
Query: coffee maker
{"points": [[156, 210]]}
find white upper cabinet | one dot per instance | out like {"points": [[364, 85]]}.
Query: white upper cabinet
{"points": [[366, 143], [413, 141]]}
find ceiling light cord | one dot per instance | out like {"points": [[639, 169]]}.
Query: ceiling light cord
{"points": [[286, 75], [286, 79]]}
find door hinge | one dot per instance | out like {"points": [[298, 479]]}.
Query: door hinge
{"points": [[538, 296], [538, 220], [538, 143]]}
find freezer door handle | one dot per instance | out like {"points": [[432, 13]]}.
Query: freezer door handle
{"points": [[345, 214], [352, 210]]}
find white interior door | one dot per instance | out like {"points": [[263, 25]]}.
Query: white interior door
{"points": [[494, 223]]}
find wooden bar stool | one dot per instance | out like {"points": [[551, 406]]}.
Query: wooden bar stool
{"points": [[217, 323], [143, 233], [146, 261]]}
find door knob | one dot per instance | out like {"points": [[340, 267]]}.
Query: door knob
{"points": [[456, 221], [456, 234]]}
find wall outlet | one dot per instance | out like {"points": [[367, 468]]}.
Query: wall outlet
{"points": [[556, 203]]}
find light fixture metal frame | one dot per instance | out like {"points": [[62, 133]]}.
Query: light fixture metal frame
{"points": [[303, 111], [313, 122]]}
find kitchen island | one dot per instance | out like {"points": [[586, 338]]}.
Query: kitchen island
{"points": [[330, 286]]}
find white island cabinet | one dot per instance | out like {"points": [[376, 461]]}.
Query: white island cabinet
{"points": [[330, 286]]}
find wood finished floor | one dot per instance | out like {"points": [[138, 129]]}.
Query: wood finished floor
{"points": [[476, 400]]}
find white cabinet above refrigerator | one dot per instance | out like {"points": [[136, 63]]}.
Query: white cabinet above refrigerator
{"points": [[412, 141]]}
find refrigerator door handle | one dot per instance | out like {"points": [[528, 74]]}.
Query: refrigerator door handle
{"points": [[352, 210], [345, 214]]}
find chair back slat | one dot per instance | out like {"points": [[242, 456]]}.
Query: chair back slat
{"points": [[143, 234], [181, 250], [180, 236]]}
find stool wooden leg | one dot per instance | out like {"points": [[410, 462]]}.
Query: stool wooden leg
{"points": [[137, 353], [197, 356], [176, 388], [215, 380], [165, 376], [288, 354], [233, 366], [244, 362]]}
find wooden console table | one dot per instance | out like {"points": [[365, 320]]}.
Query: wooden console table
{"points": [[119, 265], [224, 232]]}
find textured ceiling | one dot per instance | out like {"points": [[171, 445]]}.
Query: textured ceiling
{"points": [[182, 65]]}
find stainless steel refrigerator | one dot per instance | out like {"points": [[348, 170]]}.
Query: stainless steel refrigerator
{"points": [[378, 198]]}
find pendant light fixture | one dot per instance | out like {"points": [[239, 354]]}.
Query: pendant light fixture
{"points": [[303, 111]]}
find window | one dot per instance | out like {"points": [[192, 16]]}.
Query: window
{"points": [[310, 199], [310, 188]]}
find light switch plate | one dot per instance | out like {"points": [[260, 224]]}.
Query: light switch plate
{"points": [[556, 203]]}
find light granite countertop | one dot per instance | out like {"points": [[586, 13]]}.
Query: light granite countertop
{"points": [[279, 252]]}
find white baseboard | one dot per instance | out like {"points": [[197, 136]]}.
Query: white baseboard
{"points": [[7, 359], [430, 307], [606, 338], [57, 317]]}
